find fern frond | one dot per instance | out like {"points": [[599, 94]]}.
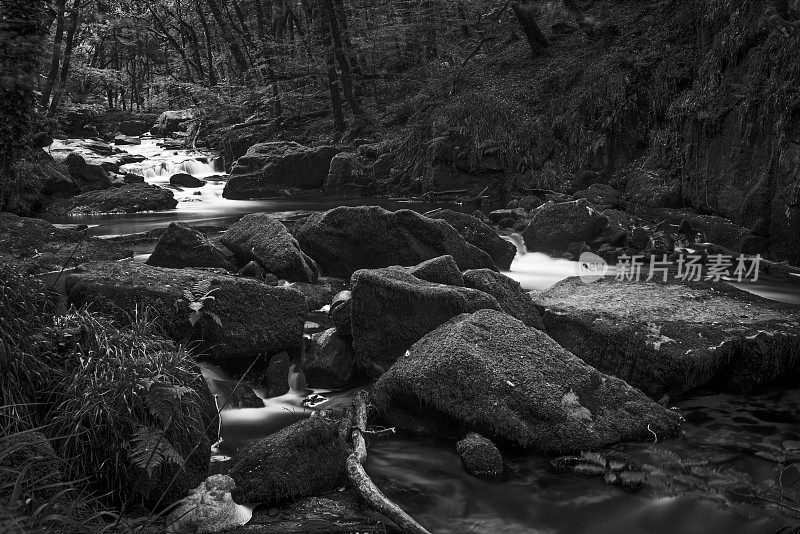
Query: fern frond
{"points": [[149, 450]]}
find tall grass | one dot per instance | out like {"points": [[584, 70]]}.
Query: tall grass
{"points": [[123, 412]]}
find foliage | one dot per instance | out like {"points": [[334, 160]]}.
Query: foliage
{"points": [[197, 296]]}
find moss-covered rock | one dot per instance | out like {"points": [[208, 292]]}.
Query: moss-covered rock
{"points": [[245, 319], [671, 338], [480, 456], [328, 362], [304, 459], [129, 198], [258, 237], [28, 461], [181, 246], [553, 226], [441, 270], [392, 309], [513, 300], [479, 234], [344, 240], [489, 373]]}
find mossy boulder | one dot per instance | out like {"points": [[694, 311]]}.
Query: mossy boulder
{"points": [[183, 179], [513, 300], [477, 233], [35, 246], [267, 168], [391, 309], [441, 270], [182, 246], [328, 362], [304, 459], [554, 226], [346, 239], [246, 318], [27, 459], [89, 175], [129, 198], [671, 338], [489, 373], [258, 237], [480, 456]]}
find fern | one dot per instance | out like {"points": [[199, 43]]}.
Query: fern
{"points": [[149, 450]]}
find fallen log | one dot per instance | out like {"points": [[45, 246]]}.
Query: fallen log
{"points": [[361, 481]]}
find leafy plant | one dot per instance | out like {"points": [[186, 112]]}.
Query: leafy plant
{"points": [[197, 296]]}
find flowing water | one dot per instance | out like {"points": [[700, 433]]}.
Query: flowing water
{"points": [[425, 476]]}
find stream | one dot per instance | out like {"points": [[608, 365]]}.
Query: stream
{"points": [[425, 476]]}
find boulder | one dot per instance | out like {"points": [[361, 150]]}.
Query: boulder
{"points": [[514, 214], [131, 178], [244, 320], [441, 270], [90, 176], [321, 293], [599, 195], [489, 373], [480, 456], [304, 459], [391, 309], [348, 175], [513, 300], [29, 466], [554, 226], [344, 240], [329, 361], [647, 189], [267, 168], [261, 238], [35, 246], [129, 198], [479, 234], [209, 508], [276, 379], [183, 179], [127, 140], [134, 127], [172, 121], [340, 316], [181, 246], [382, 168], [671, 338]]}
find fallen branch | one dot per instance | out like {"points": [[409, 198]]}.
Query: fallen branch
{"points": [[361, 481]]}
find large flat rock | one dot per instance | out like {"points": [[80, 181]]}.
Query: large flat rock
{"points": [[670, 338]]}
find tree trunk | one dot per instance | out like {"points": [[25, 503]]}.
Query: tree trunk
{"points": [[212, 73], [333, 77], [526, 16], [74, 23], [336, 37], [236, 51], [58, 38]]}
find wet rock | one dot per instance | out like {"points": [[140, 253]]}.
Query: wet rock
{"points": [[35, 246], [329, 362], [392, 309], [480, 456], [182, 246], [671, 338], [267, 168], [441, 270], [514, 214], [347, 175], [340, 315], [89, 176], [172, 121], [477, 233], [304, 459], [489, 373], [209, 508], [129, 198], [183, 179], [246, 318], [134, 127], [711, 228], [127, 140], [638, 239], [513, 300], [334, 513], [131, 178], [258, 237], [600, 195], [344, 240], [277, 375], [322, 292], [553, 226]]}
